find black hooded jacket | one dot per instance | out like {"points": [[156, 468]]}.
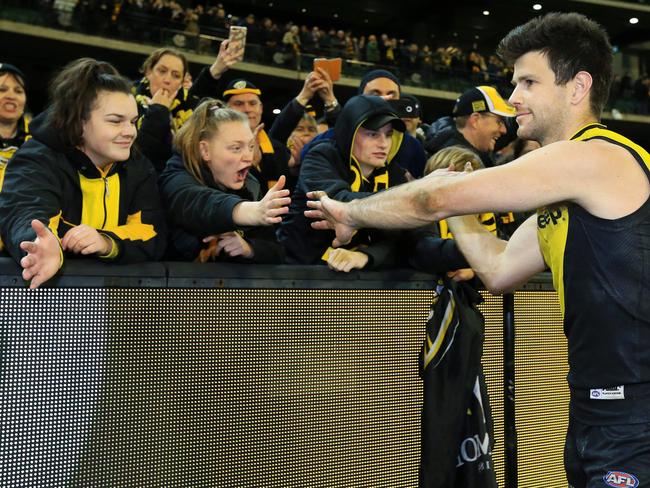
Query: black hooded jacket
{"points": [[62, 188], [329, 166]]}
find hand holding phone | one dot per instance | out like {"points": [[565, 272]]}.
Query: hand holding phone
{"points": [[238, 36], [331, 66]]}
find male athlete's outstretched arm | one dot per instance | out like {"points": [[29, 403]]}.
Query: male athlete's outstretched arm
{"points": [[602, 178], [501, 265]]}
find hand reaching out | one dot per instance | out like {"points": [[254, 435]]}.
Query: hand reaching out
{"points": [[268, 211], [43, 258], [329, 214]]}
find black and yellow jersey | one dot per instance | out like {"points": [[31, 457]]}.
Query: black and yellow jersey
{"points": [[62, 188], [601, 271], [9, 146]]}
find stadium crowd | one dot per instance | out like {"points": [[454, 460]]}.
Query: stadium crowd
{"points": [[170, 167]]}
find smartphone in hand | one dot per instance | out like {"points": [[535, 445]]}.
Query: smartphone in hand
{"points": [[331, 66], [238, 35]]}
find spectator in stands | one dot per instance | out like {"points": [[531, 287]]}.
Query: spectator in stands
{"points": [[213, 201], [381, 83], [14, 124], [294, 125], [356, 163], [164, 104], [373, 54], [76, 188], [271, 159], [477, 123]]}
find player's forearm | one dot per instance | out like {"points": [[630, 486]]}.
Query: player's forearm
{"points": [[403, 207], [482, 249]]}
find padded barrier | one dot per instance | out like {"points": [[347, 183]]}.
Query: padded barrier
{"points": [[176, 374]]}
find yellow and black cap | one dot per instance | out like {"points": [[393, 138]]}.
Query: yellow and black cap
{"points": [[239, 87], [482, 99]]}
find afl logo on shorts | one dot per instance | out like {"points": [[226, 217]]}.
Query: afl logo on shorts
{"points": [[619, 479]]}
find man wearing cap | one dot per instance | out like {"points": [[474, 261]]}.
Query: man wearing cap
{"points": [[384, 84], [271, 158], [478, 121], [358, 162], [14, 125]]}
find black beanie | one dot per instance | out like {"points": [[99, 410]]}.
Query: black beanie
{"points": [[377, 73]]}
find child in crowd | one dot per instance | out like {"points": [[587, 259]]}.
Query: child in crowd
{"points": [[214, 203], [76, 187], [456, 158]]}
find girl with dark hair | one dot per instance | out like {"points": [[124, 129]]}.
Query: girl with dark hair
{"points": [[76, 187], [213, 201]]}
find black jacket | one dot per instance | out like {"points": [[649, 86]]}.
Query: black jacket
{"points": [[196, 211], [157, 123], [330, 167], [443, 133], [456, 410], [45, 181]]}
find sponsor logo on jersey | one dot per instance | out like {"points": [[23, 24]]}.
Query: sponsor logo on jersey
{"points": [[549, 216], [619, 479]]}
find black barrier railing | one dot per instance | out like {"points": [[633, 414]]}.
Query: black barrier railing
{"points": [[233, 375]]}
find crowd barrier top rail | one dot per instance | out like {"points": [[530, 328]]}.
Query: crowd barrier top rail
{"points": [[87, 273]]}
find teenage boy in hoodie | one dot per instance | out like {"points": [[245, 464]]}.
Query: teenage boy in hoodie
{"points": [[357, 162]]}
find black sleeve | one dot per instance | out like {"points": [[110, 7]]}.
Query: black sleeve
{"points": [[154, 138], [286, 121], [432, 254], [266, 248], [143, 234], [205, 86], [381, 255], [31, 190], [332, 115], [198, 209]]}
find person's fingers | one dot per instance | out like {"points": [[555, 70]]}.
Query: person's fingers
{"points": [[28, 273], [279, 185], [322, 225], [40, 228], [37, 281], [28, 246], [27, 262], [316, 195]]}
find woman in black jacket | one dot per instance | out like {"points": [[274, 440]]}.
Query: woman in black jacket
{"points": [[215, 205], [76, 187], [164, 104]]}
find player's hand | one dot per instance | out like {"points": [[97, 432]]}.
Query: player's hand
{"points": [[329, 214]]}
